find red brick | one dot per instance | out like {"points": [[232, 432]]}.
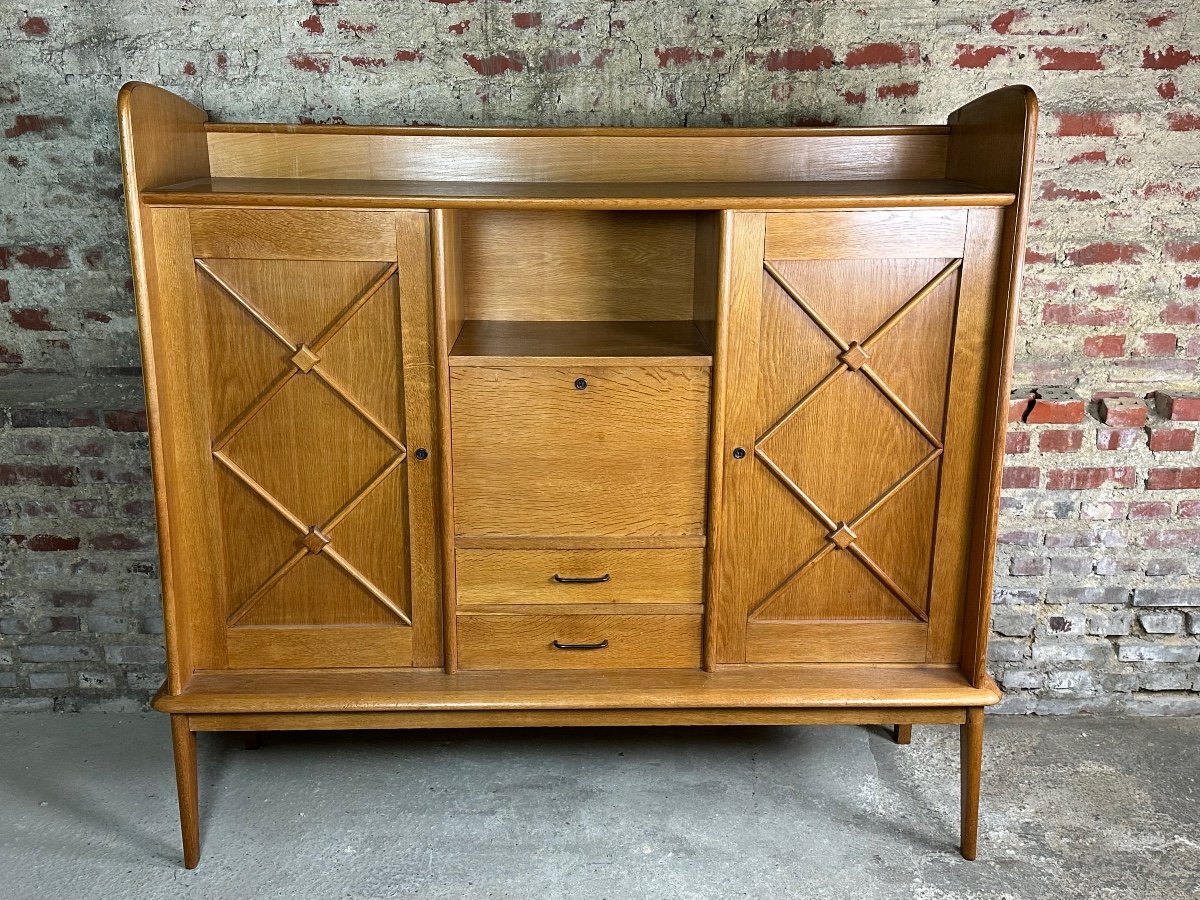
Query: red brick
{"points": [[1089, 156], [882, 55], [527, 19], [1085, 124], [1183, 251], [42, 257], [1149, 509], [897, 91], [357, 27], [10, 357], [44, 475], [51, 543], [1089, 478], [366, 62], [1170, 58], [1104, 345], [408, 56], [1167, 90], [497, 63], [1060, 440], [1157, 345], [31, 319], [1189, 509], [854, 98], [679, 56], [1103, 510], [553, 60], [1016, 442], [1122, 412], [460, 27], [1106, 252], [1177, 407], [794, 60], [35, 26], [1173, 479], [1174, 538], [313, 24], [1183, 121], [1004, 22], [1056, 412], [1051, 191], [1079, 314], [47, 126], [117, 542], [1021, 477], [1180, 314], [1059, 59], [308, 63], [970, 57], [1172, 439]]}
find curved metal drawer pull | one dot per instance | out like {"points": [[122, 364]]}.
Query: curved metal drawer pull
{"points": [[599, 579], [559, 645]]}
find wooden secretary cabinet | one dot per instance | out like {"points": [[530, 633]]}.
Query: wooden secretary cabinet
{"points": [[611, 426]]}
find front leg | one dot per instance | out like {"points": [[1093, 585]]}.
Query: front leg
{"points": [[183, 742], [971, 756]]}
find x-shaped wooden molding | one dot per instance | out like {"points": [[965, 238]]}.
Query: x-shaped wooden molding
{"points": [[306, 360], [853, 356]]}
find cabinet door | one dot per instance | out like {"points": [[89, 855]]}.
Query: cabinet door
{"points": [[300, 520], [855, 366]]}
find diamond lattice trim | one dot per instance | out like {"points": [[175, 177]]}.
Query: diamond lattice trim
{"points": [[852, 357], [305, 360]]}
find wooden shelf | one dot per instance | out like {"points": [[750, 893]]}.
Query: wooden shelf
{"points": [[387, 194], [509, 343], [815, 686]]}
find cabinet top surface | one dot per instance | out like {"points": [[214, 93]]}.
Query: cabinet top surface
{"points": [[404, 194]]}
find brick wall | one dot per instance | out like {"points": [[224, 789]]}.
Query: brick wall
{"points": [[1097, 599]]}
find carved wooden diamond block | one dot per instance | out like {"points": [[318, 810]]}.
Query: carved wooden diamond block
{"points": [[842, 536], [305, 359], [854, 356], [315, 541]]}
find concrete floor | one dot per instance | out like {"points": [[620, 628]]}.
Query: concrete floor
{"points": [[1073, 808]]}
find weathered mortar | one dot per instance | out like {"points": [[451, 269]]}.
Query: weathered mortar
{"points": [[1097, 600]]}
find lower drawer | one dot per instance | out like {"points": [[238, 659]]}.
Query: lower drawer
{"points": [[579, 576], [578, 642]]}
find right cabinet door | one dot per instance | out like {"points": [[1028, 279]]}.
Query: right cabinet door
{"points": [[855, 370]]}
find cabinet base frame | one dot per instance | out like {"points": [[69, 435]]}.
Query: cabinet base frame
{"points": [[185, 726]]}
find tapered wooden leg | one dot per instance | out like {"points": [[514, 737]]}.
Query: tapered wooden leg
{"points": [[902, 734], [971, 753], [183, 741]]}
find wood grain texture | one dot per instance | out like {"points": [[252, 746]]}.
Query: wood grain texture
{"points": [[566, 155], [562, 266], [750, 687], [527, 642], [187, 784], [836, 642], [298, 647], [866, 234], [971, 771], [543, 718], [995, 135], [534, 455], [449, 314], [539, 343], [325, 193], [162, 140], [336, 235], [586, 542], [528, 576]]}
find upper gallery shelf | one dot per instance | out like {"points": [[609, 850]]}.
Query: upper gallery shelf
{"points": [[408, 194]]}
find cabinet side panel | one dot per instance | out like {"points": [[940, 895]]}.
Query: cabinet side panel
{"points": [[185, 480], [955, 599]]}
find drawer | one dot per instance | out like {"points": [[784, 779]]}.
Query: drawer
{"points": [[622, 454], [528, 642], [580, 576]]}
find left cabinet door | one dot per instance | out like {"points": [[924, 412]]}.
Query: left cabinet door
{"points": [[289, 359]]}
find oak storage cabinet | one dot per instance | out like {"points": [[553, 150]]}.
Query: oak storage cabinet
{"points": [[494, 427]]}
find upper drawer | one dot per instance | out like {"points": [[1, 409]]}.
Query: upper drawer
{"points": [[580, 576], [586, 451]]}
